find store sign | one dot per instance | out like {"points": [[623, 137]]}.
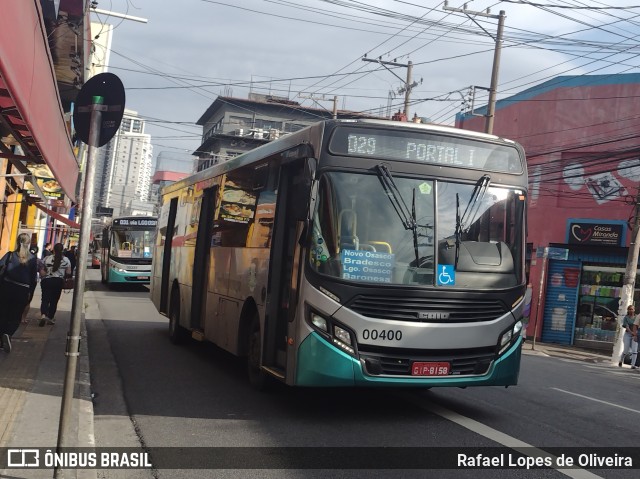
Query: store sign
{"points": [[45, 180], [601, 234]]}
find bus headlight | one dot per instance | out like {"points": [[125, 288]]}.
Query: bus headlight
{"points": [[342, 339], [319, 322], [338, 335], [342, 335], [509, 337]]}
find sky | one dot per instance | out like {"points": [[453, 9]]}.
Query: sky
{"points": [[189, 52]]}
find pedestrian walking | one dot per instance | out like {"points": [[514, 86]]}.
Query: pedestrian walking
{"points": [[630, 338], [19, 279], [634, 332], [47, 251], [72, 255], [34, 251], [56, 267]]}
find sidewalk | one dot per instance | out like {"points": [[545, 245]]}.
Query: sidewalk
{"points": [[565, 352], [31, 386]]}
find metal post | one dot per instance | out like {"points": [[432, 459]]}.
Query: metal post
{"points": [[544, 268], [628, 285], [407, 92], [491, 108], [408, 85], [73, 337]]}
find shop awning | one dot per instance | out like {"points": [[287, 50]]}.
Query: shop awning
{"points": [[30, 107], [58, 216]]}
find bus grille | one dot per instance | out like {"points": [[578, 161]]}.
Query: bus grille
{"points": [[427, 310], [470, 362]]}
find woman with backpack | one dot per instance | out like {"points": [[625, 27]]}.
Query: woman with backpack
{"points": [[19, 271], [56, 267]]}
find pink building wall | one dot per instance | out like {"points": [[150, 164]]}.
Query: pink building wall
{"points": [[581, 135]]}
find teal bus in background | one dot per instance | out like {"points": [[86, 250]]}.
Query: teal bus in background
{"points": [[127, 245]]}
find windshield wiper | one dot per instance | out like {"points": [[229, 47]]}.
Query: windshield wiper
{"points": [[479, 190], [407, 217], [397, 201], [473, 206]]}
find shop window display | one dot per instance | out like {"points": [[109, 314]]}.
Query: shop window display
{"points": [[600, 290]]}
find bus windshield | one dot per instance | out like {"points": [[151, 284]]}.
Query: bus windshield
{"points": [[392, 229], [126, 243]]}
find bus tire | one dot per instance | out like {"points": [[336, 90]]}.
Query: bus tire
{"points": [[257, 378], [177, 333]]}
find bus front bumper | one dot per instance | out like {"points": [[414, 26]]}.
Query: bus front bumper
{"points": [[141, 277], [320, 364]]}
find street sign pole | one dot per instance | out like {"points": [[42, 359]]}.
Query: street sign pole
{"points": [[542, 273], [73, 337], [97, 117]]}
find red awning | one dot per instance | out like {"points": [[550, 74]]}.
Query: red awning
{"points": [[58, 216], [29, 100]]}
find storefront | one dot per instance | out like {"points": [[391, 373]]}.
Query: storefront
{"points": [[33, 129], [583, 291]]}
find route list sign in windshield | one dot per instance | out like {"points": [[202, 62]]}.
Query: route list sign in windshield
{"points": [[369, 266], [426, 148]]}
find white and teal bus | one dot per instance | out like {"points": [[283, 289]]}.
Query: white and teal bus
{"points": [[127, 248], [353, 253]]}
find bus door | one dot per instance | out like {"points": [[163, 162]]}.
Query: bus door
{"points": [[166, 255], [284, 265], [201, 258]]}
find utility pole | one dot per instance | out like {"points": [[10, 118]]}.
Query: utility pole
{"points": [[408, 83], [545, 255], [628, 284], [315, 99], [491, 106]]}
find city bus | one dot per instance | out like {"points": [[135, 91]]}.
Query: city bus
{"points": [[353, 253], [127, 248]]}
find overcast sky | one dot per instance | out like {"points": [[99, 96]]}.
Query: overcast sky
{"points": [[191, 51]]}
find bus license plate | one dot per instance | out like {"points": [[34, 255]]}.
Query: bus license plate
{"points": [[430, 369], [143, 277]]}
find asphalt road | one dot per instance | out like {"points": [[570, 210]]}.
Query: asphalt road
{"points": [[152, 394]]}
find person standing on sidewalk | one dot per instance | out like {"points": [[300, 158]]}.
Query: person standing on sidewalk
{"points": [[34, 251], [56, 267], [629, 340], [46, 251], [18, 284]]}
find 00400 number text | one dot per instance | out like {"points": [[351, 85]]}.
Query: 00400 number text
{"points": [[385, 334]]}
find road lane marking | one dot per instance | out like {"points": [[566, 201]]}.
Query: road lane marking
{"points": [[500, 437], [598, 400]]}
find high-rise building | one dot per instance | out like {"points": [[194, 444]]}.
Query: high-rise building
{"points": [[123, 167]]}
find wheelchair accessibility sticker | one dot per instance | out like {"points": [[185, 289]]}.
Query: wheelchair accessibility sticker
{"points": [[446, 275]]}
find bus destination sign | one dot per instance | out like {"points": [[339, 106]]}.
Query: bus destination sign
{"points": [[136, 222], [426, 148]]}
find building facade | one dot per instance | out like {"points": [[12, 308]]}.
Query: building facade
{"points": [[45, 47], [580, 135], [123, 167], [231, 126], [170, 167]]}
